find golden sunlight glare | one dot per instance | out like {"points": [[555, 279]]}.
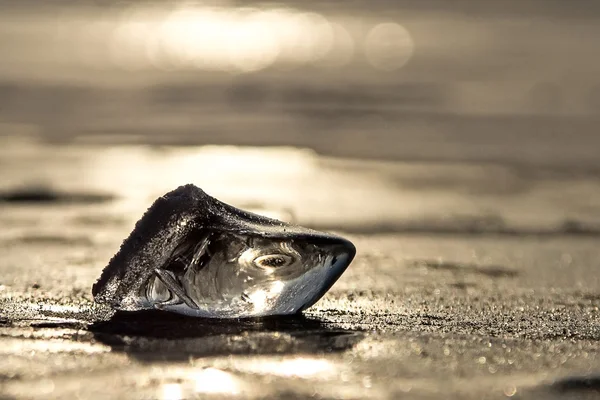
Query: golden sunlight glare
{"points": [[172, 391], [299, 367], [226, 39], [212, 380]]}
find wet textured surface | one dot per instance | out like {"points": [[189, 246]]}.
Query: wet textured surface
{"points": [[443, 311]]}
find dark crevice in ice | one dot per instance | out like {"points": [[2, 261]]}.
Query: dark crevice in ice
{"points": [[43, 195], [60, 324], [578, 384], [493, 271], [50, 239], [458, 227]]}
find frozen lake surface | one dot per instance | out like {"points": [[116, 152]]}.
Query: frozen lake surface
{"points": [[471, 280]]}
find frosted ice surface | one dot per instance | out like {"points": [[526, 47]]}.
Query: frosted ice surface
{"points": [[194, 255]]}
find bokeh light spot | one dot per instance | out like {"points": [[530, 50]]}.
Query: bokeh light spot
{"points": [[341, 51], [388, 46], [234, 40]]}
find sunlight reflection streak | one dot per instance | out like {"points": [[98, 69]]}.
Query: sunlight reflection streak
{"points": [[299, 367], [172, 391], [212, 380], [226, 39]]}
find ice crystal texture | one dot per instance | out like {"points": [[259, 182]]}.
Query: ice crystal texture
{"points": [[194, 255]]}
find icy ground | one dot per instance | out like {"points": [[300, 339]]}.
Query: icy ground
{"points": [[471, 280]]}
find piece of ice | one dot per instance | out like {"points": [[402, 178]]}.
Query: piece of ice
{"points": [[193, 254]]}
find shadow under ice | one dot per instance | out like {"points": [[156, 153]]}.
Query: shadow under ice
{"points": [[156, 335]]}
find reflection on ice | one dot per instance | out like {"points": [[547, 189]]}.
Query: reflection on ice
{"points": [[260, 298], [300, 367], [297, 185], [212, 380], [228, 39], [44, 345], [172, 391]]}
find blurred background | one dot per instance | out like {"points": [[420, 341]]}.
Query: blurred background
{"points": [[516, 79], [455, 142], [456, 100]]}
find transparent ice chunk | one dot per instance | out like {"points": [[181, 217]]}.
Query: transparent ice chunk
{"points": [[194, 255]]}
